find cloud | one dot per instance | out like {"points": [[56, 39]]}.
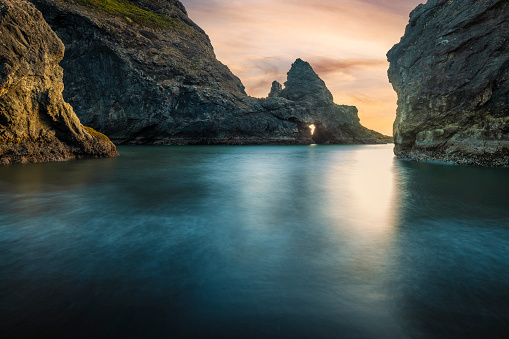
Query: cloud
{"points": [[261, 72], [328, 65], [399, 7], [368, 100]]}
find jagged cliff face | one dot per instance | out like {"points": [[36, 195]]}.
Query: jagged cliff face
{"points": [[137, 83], [35, 122], [451, 73], [150, 76]]}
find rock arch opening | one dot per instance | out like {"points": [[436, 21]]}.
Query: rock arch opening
{"points": [[320, 135], [312, 127]]}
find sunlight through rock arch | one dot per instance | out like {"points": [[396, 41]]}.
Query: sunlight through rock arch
{"points": [[312, 127]]}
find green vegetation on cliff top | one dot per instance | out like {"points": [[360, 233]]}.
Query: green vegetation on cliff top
{"points": [[130, 12]]}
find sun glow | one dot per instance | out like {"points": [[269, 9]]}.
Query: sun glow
{"points": [[312, 127]]}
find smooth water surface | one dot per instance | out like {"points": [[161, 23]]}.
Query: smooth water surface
{"points": [[253, 242]]}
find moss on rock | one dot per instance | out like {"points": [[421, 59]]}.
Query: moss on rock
{"points": [[130, 12]]}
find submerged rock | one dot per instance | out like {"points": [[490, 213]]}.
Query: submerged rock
{"points": [[35, 122], [143, 73], [451, 73]]}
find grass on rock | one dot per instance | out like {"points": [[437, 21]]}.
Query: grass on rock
{"points": [[130, 12], [94, 133]]}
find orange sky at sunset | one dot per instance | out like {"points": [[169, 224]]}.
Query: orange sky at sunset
{"points": [[345, 41]]}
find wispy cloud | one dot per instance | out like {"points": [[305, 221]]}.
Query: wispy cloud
{"points": [[328, 65], [389, 6], [345, 42]]}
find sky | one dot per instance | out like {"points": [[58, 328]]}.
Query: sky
{"points": [[345, 41]]}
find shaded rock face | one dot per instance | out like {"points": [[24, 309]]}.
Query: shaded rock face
{"points": [[140, 84], [451, 73], [35, 123], [162, 84]]}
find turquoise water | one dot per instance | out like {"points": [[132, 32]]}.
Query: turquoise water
{"points": [[253, 242]]}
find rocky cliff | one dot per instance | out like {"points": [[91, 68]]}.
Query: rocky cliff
{"points": [[143, 73], [451, 73], [35, 122]]}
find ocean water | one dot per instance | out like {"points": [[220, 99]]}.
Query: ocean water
{"points": [[253, 242]]}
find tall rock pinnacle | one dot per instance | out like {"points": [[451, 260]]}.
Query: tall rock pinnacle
{"points": [[304, 84]]}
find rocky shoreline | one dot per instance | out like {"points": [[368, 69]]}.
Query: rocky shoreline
{"points": [[144, 73]]}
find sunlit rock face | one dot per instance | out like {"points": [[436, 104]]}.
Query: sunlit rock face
{"points": [[143, 73], [451, 73], [35, 123]]}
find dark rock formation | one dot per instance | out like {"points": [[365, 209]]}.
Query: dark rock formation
{"points": [[35, 122], [275, 89], [150, 76], [334, 123], [451, 73]]}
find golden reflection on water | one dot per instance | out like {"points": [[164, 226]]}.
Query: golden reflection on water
{"points": [[28, 184], [372, 184], [363, 206], [72, 174], [366, 194]]}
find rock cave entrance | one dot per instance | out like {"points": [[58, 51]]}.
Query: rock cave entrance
{"points": [[319, 134]]}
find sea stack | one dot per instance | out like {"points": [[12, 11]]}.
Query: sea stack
{"points": [[36, 124], [334, 124], [451, 73]]}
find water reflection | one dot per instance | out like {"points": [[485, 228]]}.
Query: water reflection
{"points": [[295, 241], [361, 200], [71, 175], [452, 251]]}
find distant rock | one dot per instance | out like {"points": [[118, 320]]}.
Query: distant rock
{"points": [[451, 73], [143, 73], [304, 85], [275, 89], [35, 123], [335, 124]]}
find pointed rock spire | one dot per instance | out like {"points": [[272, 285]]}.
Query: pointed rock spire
{"points": [[275, 89], [304, 84]]}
